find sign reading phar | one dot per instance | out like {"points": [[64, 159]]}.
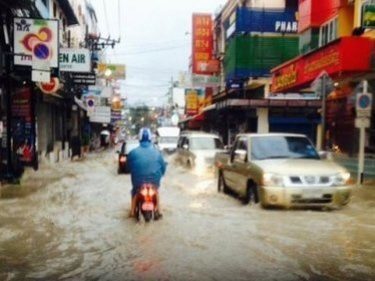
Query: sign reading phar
{"points": [[286, 26]]}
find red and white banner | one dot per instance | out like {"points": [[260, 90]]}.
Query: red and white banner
{"points": [[202, 48]]}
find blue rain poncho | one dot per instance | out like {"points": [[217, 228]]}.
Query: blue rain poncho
{"points": [[146, 165]]}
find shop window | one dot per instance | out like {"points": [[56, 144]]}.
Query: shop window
{"points": [[328, 32]]}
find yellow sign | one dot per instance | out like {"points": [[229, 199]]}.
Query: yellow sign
{"points": [[323, 62], [111, 71], [191, 97]]}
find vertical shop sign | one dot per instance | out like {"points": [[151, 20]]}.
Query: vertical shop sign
{"points": [[203, 45], [201, 99], [38, 40], [23, 126], [191, 101], [208, 96]]}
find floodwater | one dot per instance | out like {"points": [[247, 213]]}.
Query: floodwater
{"points": [[69, 222]]}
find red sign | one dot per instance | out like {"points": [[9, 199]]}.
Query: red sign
{"points": [[314, 13], [21, 104], [336, 59], [23, 126], [49, 87], [203, 45]]}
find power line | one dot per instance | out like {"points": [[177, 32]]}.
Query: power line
{"points": [[155, 70], [137, 45], [105, 15], [145, 86], [119, 18], [150, 51]]}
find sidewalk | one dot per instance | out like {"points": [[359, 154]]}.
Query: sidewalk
{"points": [[351, 163], [31, 181]]}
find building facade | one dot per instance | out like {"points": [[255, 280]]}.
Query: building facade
{"points": [[37, 122], [334, 39], [251, 38]]}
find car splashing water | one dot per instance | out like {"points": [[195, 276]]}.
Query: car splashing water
{"points": [[69, 222]]}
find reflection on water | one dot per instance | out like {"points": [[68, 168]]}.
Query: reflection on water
{"points": [[74, 226]]}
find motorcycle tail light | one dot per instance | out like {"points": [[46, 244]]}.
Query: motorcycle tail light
{"points": [[144, 192], [151, 192]]}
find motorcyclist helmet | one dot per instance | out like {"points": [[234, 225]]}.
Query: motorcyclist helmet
{"points": [[145, 135]]}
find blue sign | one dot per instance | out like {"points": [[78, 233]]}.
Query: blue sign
{"points": [[364, 101], [266, 20]]}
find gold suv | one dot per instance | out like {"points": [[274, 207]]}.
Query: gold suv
{"points": [[281, 170]]}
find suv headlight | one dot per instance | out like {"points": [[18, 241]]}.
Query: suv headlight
{"points": [[340, 179], [270, 179]]}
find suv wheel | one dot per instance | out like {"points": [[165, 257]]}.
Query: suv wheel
{"points": [[251, 193]]}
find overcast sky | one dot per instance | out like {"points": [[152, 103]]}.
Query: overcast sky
{"points": [[155, 42]]}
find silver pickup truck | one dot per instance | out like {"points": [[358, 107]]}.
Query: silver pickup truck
{"points": [[279, 169]]}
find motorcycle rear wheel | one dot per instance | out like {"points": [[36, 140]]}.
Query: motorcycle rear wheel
{"points": [[147, 215]]}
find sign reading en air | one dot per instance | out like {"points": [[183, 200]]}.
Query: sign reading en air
{"points": [[75, 60]]}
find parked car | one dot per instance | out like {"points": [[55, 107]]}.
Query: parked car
{"points": [[281, 170], [126, 147], [198, 149]]}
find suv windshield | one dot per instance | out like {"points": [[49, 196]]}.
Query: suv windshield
{"points": [[273, 147], [206, 143]]}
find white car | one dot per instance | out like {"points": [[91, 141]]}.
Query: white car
{"points": [[198, 149], [167, 138]]}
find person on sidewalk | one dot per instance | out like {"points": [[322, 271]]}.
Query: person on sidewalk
{"points": [[146, 165], [75, 144]]}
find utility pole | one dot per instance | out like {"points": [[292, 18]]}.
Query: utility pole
{"points": [[323, 113], [9, 173]]}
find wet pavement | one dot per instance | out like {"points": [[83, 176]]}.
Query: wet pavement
{"points": [[69, 222]]}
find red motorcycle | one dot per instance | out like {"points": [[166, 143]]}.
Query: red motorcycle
{"points": [[147, 202]]}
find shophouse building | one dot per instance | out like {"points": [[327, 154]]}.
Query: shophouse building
{"points": [[40, 116], [336, 38], [251, 38]]}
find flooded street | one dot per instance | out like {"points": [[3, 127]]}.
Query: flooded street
{"points": [[74, 226]]}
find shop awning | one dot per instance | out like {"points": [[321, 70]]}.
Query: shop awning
{"points": [[200, 115], [268, 103], [341, 58]]}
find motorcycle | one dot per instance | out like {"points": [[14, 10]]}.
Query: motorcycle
{"points": [[146, 202]]}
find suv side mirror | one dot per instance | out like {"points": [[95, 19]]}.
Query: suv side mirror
{"points": [[325, 155]]}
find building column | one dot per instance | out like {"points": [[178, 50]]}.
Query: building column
{"points": [[263, 124]]}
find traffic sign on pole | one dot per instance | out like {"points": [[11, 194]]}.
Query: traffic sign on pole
{"points": [[363, 109], [364, 105]]}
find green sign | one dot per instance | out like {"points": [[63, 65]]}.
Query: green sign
{"points": [[368, 16]]}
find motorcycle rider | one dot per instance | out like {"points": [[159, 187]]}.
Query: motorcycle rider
{"points": [[146, 165]]}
